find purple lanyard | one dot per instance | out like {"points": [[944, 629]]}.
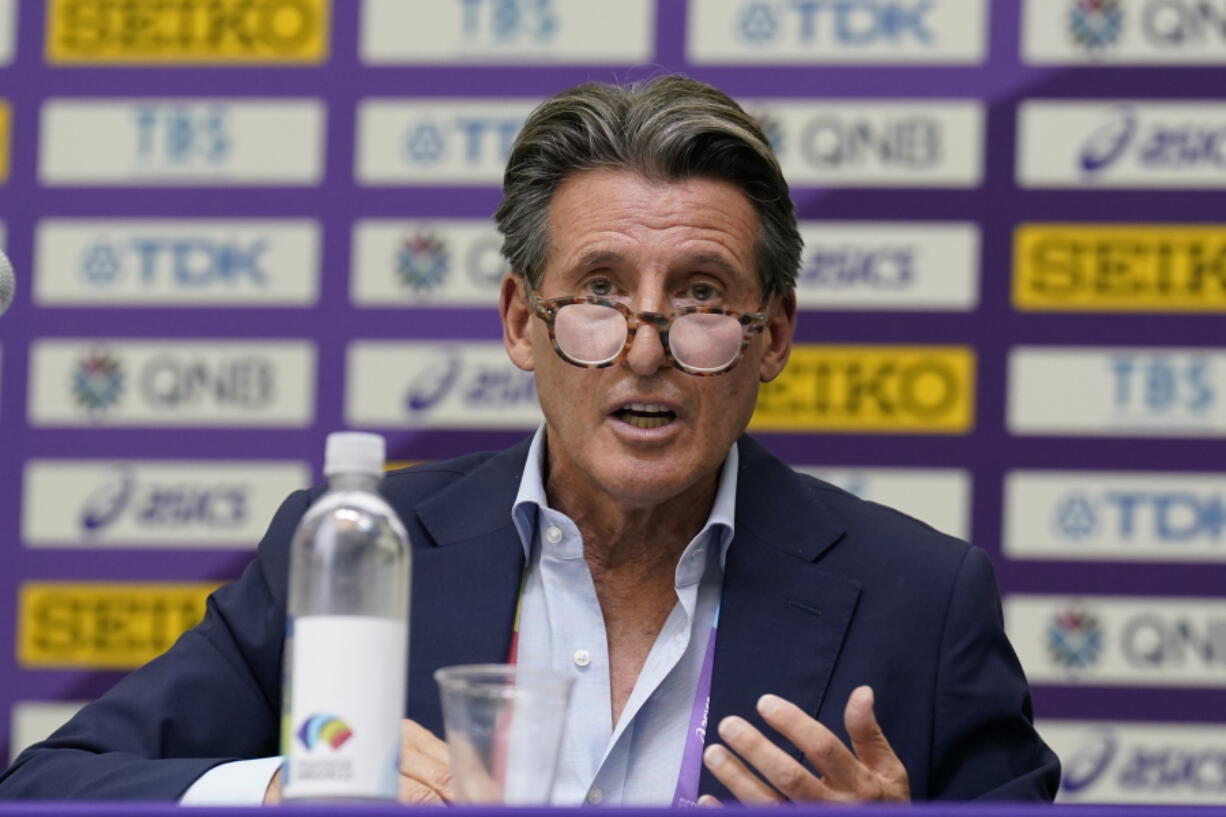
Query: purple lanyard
{"points": [[686, 793]]}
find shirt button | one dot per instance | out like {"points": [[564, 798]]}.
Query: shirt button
{"points": [[554, 534], [582, 659], [595, 796]]}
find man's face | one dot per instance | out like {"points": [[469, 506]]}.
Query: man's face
{"points": [[654, 246]]}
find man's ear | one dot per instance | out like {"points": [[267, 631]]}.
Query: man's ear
{"points": [[780, 326], [516, 320]]}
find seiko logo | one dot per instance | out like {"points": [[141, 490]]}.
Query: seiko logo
{"points": [[171, 507]]}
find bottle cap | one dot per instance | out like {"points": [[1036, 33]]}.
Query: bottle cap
{"points": [[353, 452]]}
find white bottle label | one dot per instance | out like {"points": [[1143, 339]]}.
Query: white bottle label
{"points": [[342, 737]]}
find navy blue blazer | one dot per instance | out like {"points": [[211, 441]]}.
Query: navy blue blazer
{"points": [[822, 592]]}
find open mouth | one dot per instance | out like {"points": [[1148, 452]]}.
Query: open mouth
{"points": [[645, 415]]}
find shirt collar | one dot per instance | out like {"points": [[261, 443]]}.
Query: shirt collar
{"points": [[530, 499]]}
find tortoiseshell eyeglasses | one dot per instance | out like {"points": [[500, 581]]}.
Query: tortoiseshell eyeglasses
{"points": [[594, 332]]}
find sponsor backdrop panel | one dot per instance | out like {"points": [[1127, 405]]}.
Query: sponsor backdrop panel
{"points": [[240, 224]]}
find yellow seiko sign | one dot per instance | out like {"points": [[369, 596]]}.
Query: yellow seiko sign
{"points": [[901, 389], [1120, 267], [5, 129], [102, 624], [187, 31]]}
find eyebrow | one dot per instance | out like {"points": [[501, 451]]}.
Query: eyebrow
{"points": [[598, 258]]}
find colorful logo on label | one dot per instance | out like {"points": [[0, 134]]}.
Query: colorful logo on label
{"points": [[1095, 24], [422, 262], [98, 381], [1075, 639], [324, 728]]}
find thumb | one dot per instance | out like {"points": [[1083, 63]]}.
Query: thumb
{"points": [[866, 736]]}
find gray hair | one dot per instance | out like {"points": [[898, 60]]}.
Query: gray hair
{"points": [[670, 128]]}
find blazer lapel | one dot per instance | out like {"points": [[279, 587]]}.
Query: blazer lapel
{"points": [[782, 617], [465, 588]]}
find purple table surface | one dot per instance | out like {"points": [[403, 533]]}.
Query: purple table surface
{"points": [[131, 809]]}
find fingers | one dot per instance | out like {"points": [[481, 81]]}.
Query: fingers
{"points": [[742, 783], [425, 768], [709, 800], [870, 742], [779, 768], [840, 769]]}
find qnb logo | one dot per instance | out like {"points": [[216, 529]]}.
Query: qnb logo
{"points": [[187, 263], [168, 382], [1095, 24], [485, 264], [1154, 641], [469, 140], [1163, 385], [1075, 639], [98, 381], [422, 262], [510, 21], [881, 268], [1169, 517], [450, 380], [1086, 765], [170, 507], [324, 729], [904, 143], [181, 136], [1154, 145], [848, 23]]}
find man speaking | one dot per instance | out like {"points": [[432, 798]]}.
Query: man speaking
{"points": [[655, 553]]}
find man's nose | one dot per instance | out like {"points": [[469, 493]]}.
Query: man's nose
{"points": [[646, 354]]}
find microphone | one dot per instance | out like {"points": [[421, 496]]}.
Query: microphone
{"points": [[8, 283]]}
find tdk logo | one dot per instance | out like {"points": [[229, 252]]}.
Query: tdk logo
{"points": [[1175, 517], [191, 263], [466, 139], [1178, 145], [179, 135], [510, 21], [847, 23], [1159, 384]]}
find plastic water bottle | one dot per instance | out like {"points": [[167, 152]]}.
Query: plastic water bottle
{"points": [[346, 640]]}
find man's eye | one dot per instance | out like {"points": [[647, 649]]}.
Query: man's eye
{"points": [[703, 292], [601, 287]]}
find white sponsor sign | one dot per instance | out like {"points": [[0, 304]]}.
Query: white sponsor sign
{"points": [[1122, 143], [814, 31], [202, 262], [1115, 516], [1134, 763], [216, 382], [889, 265], [36, 720], [934, 143], [8, 28], [1117, 391], [508, 31], [436, 142], [189, 141], [938, 496], [440, 262], [437, 384], [1119, 641], [1131, 32], [147, 503]]}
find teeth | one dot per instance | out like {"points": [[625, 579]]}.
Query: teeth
{"points": [[654, 408], [646, 422]]}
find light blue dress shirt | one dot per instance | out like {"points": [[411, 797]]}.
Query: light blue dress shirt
{"points": [[636, 761]]}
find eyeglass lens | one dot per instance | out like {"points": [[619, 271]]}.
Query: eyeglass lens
{"points": [[591, 333]]}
